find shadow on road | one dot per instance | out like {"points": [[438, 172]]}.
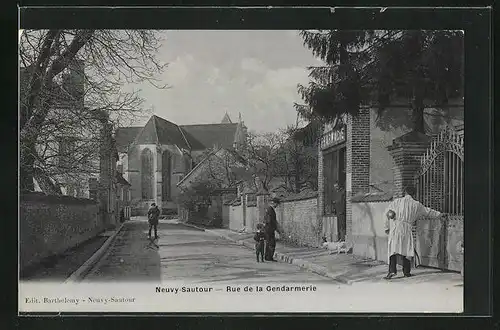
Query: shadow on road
{"points": [[132, 257]]}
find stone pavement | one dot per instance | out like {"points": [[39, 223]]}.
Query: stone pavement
{"points": [[344, 268]]}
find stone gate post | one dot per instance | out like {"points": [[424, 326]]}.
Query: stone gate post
{"points": [[405, 151]]}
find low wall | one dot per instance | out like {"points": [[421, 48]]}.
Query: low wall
{"points": [[438, 242], [297, 216], [369, 238], [235, 217], [49, 225]]}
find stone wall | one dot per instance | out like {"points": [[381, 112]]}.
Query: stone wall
{"points": [[297, 216], [49, 225]]}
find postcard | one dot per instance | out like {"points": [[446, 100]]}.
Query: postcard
{"points": [[258, 171]]}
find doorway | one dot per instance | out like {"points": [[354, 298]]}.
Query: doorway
{"points": [[334, 172]]}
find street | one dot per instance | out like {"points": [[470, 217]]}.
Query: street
{"points": [[198, 268], [188, 255]]}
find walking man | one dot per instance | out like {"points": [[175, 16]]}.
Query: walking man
{"points": [[270, 226], [401, 215], [153, 216]]}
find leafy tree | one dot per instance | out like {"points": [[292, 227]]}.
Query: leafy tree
{"points": [[423, 67], [382, 68], [71, 85], [335, 88]]}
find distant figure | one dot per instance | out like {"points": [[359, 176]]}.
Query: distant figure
{"points": [[271, 225], [259, 242], [122, 216], [401, 215], [153, 216]]}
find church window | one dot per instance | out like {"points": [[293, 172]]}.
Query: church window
{"points": [[147, 176], [166, 175]]}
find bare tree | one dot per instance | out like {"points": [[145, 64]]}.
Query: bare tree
{"points": [[71, 85], [221, 168], [264, 157], [299, 161]]}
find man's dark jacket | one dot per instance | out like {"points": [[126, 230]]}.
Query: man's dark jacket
{"points": [[153, 215], [270, 221]]}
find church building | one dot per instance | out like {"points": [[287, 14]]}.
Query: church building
{"points": [[154, 158]]}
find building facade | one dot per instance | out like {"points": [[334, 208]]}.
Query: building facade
{"points": [[156, 157], [356, 154]]}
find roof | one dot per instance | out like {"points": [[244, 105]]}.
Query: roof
{"points": [[194, 169], [372, 197], [192, 137], [212, 134], [121, 180], [382, 187], [226, 119], [238, 158], [125, 136], [161, 131]]}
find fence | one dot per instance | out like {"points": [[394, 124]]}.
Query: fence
{"points": [[440, 185]]}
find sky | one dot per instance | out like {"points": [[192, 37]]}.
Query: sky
{"points": [[254, 73]]}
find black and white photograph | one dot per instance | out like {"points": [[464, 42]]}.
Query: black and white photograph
{"points": [[241, 171]]}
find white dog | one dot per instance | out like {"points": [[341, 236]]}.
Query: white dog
{"points": [[339, 247]]}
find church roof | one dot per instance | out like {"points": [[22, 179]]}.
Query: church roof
{"points": [[161, 131], [213, 134], [193, 137], [125, 136]]}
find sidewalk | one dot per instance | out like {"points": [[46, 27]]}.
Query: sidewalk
{"points": [[344, 268], [72, 263]]}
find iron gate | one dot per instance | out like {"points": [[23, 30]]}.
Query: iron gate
{"points": [[440, 185]]}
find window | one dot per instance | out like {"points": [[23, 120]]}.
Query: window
{"points": [[67, 146], [166, 175], [147, 174]]}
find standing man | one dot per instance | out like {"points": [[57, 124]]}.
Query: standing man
{"points": [[153, 216], [401, 215], [270, 226]]}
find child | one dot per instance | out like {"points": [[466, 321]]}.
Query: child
{"points": [[391, 215], [259, 242]]}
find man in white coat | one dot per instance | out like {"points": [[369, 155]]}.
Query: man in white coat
{"points": [[398, 225]]}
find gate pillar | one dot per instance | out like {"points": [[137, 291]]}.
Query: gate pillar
{"points": [[406, 151]]}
